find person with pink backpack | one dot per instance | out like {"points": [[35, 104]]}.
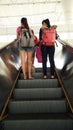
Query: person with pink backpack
{"points": [[47, 36]]}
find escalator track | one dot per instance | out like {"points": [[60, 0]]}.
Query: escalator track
{"points": [[37, 104]]}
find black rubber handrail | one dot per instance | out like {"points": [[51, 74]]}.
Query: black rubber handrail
{"points": [[8, 45], [64, 42]]}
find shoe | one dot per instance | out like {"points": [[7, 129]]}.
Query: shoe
{"points": [[45, 77], [52, 77]]}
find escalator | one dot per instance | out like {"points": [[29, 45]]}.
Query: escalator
{"points": [[38, 105]]}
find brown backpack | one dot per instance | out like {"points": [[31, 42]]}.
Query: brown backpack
{"points": [[26, 38]]}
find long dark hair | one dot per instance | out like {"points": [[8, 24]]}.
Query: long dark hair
{"points": [[25, 23], [47, 21]]}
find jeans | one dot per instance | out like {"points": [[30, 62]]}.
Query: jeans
{"points": [[48, 50]]}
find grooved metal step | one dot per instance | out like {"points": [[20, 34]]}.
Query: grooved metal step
{"points": [[43, 106], [41, 83], [40, 70], [51, 122], [37, 105], [37, 93], [36, 75]]}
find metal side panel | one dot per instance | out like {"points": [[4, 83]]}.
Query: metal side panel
{"points": [[9, 67], [66, 70]]}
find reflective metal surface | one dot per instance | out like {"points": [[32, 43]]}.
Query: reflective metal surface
{"points": [[9, 66], [65, 57]]}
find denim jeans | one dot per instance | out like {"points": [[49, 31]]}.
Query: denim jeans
{"points": [[48, 50]]}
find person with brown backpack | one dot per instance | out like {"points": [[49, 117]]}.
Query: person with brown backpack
{"points": [[26, 45], [47, 36]]}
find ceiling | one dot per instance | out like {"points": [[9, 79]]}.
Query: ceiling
{"points": [[60, 12]]}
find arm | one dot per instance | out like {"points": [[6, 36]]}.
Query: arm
{"points": [[18, 31], [40, 34]]}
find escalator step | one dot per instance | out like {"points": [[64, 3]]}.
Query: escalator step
{"points": [[49, 106], [37, 93], [35, 75], [50, 123], [37, 83], [37, 70]]}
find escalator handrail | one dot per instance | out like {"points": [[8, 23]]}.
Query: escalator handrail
{"points": [[65, 44], [8, 45]]}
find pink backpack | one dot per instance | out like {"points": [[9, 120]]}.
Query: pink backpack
{"points": [[49, 36]]}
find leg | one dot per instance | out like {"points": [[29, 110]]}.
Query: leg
{"points": [[23, 55], [44, 60], [29, 62], [51, 51]]}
